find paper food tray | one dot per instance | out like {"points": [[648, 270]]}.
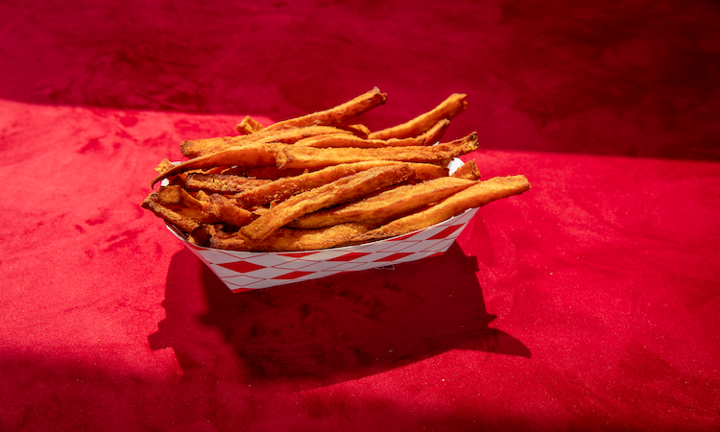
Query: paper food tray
{"points": [[243, 271]]}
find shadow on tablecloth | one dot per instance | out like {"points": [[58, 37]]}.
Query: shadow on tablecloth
{"points": [[338, 328]]}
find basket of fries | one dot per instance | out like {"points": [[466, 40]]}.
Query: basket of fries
{"points": [[318, 195]]}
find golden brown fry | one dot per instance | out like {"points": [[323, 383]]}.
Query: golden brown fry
{"points": [[377, 209], [205, 146], [164, 166], [356, 129], [429, 137], [339, 140], [251, 155], [259, 211], [286, 187], [342, 190], [426, 171], [338, 114], [202, 234], [272, 172], [312, 158], [249, 125], [170, 195], [345, 140], [199, 147], [475, 196], [234, 171], [468, 170], [222, 183], [178, 200], [423, 171], [292, 240], [226, 210], [448, 109], [202, 196], [183, 222]]}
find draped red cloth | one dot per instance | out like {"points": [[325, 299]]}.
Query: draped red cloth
{"points": [[590, 302]]}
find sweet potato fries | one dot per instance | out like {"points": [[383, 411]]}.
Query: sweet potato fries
{"points": [[320, 181]]}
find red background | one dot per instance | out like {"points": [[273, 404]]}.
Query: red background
{"points": [[589, 303]]}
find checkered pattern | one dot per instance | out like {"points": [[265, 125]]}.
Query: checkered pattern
{"points": [[242, 271]]}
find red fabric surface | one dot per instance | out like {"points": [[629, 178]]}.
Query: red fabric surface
{"points": [[589, 303]]}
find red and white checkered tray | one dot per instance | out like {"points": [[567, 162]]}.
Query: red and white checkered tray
{"points": [[242, 271]]}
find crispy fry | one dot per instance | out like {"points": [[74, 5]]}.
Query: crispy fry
{"points": [[345, 140], [249, 125], [183, 222], [223, 183], [342, 190], [251, 155], [177, 198], [291, 239], [429, 137], [339, 140], [226, 210], [468, 170], [475, 196], [338, 114], [202, 234], [286, 187], [309, 157], [205, 146], [236, 170], [170, 195], [164, 166], [387, 205], [426, 171], [448, 109], [356, 129], [272, 172]]}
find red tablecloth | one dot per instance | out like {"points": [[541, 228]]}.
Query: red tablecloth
{"points": [[590, 302]]}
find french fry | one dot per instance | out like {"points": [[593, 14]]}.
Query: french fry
{"points": [[359, 130], [202, 234], [179, 200], [336, 115], [251, 155], [429, 137], [313, 158], [387, 205], [448, 109], [184, 223], [286, 187], [249, 125], [204, 146], [345, 140], [468, 170], [427, 171], [477, 195], [221, 183], [226, 210], [339, 191], [339, 140], [292, 239], [164, 166], [202, 196], [271, 172]]}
